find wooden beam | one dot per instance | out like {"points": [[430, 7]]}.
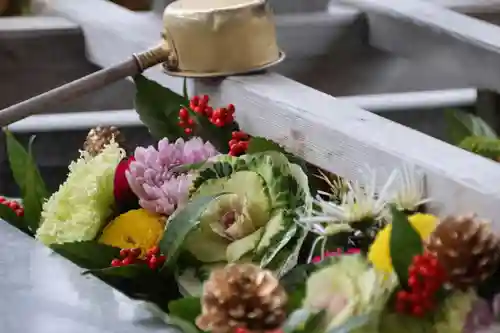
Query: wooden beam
{"points": [[471, 45], [53, 50], [343, 139], [470, 6]]}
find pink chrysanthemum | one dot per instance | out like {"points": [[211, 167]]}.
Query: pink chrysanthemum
{"points": [[151, 178]]}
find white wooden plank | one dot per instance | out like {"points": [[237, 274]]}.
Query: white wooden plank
{"points": [[412, 101], [343, 139], [470, 6], [472, 45]]}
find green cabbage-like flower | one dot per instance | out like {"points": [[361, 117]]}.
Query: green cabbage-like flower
{"points": [[254, 221], [77, 211], [452, 314], [348, 288]]}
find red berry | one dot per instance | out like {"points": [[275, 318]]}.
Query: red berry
{"points": [[219, 122], [12, 205], [195, 100], [2, 199], [239, 135], [188, 131], [153, 262], [136, 252], [216, 114], [205, 99], [116, 263], [124, 253], [209, 111], [128, 261], [182, 123], [403, 296], [231, 108], [20, 212], [198, 109], [417, 311], [244, 145], [190, 122], [229, 119], [232, 142], [161, 260], [183, 114]]}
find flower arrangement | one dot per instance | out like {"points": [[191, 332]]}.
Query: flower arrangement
{"points": [[224, 232]]}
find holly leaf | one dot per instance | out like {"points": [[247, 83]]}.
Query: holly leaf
{"points": [[405, 243], [129, 271], [158, 108], [29, 180], [463, 124], [185, 89], [258, 145], [88, 254], [181, 224], [187, 308]]}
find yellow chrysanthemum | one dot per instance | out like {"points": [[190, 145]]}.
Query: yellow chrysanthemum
{"points": [[134, 229], [77, 211], [379, 253]]}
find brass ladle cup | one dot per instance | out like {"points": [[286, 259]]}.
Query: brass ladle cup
{"points": [[200, 38]]}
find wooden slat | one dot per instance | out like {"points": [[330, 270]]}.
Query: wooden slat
{"points": [[472, 46], [41, 53], [343, 139]]}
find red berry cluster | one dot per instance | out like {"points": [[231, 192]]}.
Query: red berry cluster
{"points": [[14, 205], [133, 256], [238, 144], [219, 117], [186, 121], [426, 276]]}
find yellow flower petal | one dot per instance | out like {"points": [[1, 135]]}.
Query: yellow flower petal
{"points": [[134, 229], [379, 254]]}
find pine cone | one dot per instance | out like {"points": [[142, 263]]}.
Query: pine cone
{"points": [[99, 137], [242, 296], [466, 248]]}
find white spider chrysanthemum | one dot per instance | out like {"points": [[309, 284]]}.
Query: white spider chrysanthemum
{"points": [[359, 203], [409, 190]]}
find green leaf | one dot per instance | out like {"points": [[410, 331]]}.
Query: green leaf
{"points": [[462, 124], [158, 108], [405, 243], [88, 254], [181, 224], [185, 89], [129, 271], [29, 180], [259, 145], [484, 146], [187, 308], [183, 325]]}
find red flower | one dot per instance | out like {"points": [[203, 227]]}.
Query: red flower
{"points": [[124, 196]]}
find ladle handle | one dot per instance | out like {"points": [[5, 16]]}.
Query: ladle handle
{"points": [[135, 65], [69, 91]]}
